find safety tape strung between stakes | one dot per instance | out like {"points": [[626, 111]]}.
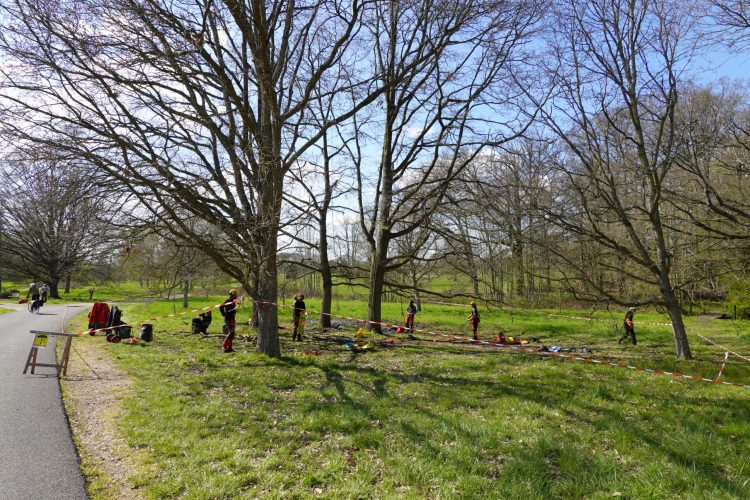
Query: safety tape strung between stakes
{"points": [[605, 320], [528, 350], [454, 304], [722, 347], [745, 358], [723, 365], [157, 318]]}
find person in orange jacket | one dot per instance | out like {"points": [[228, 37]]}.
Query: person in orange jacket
{"points": [[628, 324]]}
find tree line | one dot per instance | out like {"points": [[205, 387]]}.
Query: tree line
{"points": [[531, 146]]}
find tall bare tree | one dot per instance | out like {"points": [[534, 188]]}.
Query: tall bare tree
{"points": [[320, 182], [618, 72], [445, 67], [714, 125], [198, 107], [55, 217]]}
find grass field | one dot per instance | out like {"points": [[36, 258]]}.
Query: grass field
{"points": [[434, 419]]}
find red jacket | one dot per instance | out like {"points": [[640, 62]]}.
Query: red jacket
{"points": [[99, 313]]}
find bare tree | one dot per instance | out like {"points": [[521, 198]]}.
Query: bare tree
{"points": [[319, 183], [732, 22], [714, 125], [618, 74], [445, 69], [198, 108], [55, 216]]}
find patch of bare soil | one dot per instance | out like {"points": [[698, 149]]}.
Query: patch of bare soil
{"points": [[93, 391]]}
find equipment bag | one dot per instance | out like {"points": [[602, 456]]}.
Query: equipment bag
{"points": [[147, 332], [125, 332]]}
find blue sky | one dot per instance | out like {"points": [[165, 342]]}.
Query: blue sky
{"points": [[718, 63]]}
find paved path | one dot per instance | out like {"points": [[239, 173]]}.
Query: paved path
{"points": [[37, 456]]}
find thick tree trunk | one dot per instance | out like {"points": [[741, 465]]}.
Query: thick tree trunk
{"points": [[325, 274], [267, 292], [185, 292], [269, 209], [682, 346], [377, 277], [67, 284], [54, 291]]}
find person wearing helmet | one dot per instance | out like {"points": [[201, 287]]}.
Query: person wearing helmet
{"points": [[299, 313], [628, 323], [229, 310], [411, 311], [474, 319], [33, 292]]}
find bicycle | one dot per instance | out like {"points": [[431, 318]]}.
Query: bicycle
{"points": [[34, 305]]}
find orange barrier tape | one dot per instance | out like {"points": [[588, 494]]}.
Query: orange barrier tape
{"points": [[657, 324], [155, 318], [605, 320], [726, 357], [722, 347], [533, 351]]}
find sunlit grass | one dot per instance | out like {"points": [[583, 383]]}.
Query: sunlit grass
{"points": [[433, 419]]}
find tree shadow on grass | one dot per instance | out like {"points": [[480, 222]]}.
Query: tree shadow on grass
{"points": [[563, 394]]}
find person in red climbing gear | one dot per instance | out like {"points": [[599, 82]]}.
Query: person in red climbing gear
{"points": [[229, 310], [474, 319], [628, 324], [298, 315], [411, 310]]}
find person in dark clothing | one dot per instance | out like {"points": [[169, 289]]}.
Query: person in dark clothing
{"points": [[33, 292], [45, 292], [474, 320], [628, 324], [229, 310], [411, 310], [298, 315], [201, 323]]}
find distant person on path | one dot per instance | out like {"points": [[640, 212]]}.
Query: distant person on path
{"points": [[33, 292], [299, 310], [411, 310], [45, 293], [628, 323], [229, 310], [474, 319]]}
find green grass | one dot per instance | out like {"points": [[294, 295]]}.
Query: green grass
{"points": [[429, 419], [4, 310]]}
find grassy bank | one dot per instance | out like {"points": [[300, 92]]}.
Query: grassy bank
{"points": [[434, 419]]}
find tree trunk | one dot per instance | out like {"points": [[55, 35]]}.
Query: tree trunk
{"points": [[415, 286], [325, 274], [682, 346], [518, 272], [185, 292], [268, 322], [67, 284], [254, 317], [54, 291], [269, 210], [377, 277]]}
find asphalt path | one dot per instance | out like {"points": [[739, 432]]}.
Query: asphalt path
{"points": [[37, 457]]}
